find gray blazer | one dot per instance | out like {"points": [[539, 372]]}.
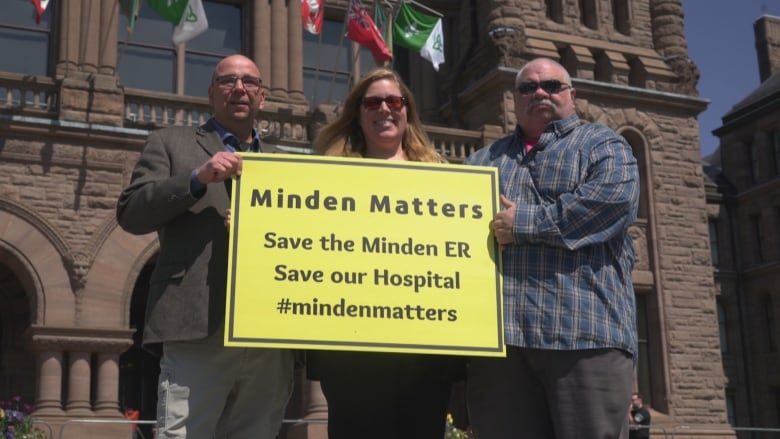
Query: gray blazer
{"points": [[187, 289]]}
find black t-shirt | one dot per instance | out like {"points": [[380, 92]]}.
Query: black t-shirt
{"points": [[640, 417]]}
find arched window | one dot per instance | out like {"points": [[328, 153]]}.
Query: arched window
{"points": [[621, 15], [603, 70], [637, 73], [555, 10], [588, 14]]}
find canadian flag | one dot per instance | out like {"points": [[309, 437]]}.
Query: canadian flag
{"points": [[40, 8], [362, 30], [312, 13]]}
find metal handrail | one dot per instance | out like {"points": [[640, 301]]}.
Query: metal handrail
{"points": [[679, 429], [146, 422], [105, 421]]}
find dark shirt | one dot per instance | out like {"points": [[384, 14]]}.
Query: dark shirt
{"points": [[640, 418]]}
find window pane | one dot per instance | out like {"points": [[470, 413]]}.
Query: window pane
{"points": [[149, 28], [223, 36], [328, 64], [147, 58], [731, 410], [367, 61], [22, 13], [20, 34], [147, 68], [328, 54], [643, 362], [19, 41], [199, 70], [325, 87]]}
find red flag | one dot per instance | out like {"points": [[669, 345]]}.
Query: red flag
{"points": [[40, 8], [363, 31], [312, 13]]}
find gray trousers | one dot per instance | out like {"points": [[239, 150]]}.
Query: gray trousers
{"points": [[210, 391], [547, 394]]}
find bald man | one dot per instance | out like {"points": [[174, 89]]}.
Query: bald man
{"points": [[179, 189]]}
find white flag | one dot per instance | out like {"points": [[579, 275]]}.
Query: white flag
{"points": [[187, 15], [433, 50], [193, 22]]}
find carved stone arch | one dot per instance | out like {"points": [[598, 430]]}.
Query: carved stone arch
{"points": [[639, 147], [34, 219], [116, 266], [622, 119], [30, 247]]}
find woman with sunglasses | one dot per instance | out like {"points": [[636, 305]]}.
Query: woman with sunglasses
{"points": [[382, 395]]}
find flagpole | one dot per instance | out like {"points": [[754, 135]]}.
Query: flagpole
{"points": [[436, 13], [338, 55]]}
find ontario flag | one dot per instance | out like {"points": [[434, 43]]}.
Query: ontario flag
{"points": [[362, 30], [312, 13], [40, 8]]}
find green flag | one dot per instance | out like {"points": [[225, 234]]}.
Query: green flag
{"points": [[420, 32], [188, 16]]}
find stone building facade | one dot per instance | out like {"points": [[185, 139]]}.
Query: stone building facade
{"points": [[743, 196], [73, 283]]}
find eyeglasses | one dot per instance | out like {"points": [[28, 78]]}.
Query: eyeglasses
{"points": [[550, 86], [372, 103], [228, 82]]}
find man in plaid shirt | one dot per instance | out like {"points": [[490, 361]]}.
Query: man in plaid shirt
{"points": [[570, 191]]}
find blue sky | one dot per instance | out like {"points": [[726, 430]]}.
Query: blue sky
{"points": [[722, 44]]}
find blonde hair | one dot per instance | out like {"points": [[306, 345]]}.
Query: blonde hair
{"points": [[344, 137]]}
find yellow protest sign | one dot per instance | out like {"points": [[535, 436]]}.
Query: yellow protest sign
{"points": [[361, 254]]}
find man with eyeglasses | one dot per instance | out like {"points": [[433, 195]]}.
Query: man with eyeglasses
{"points": [[180, 189], [569, 192]]}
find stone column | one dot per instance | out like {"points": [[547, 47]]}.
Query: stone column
{"points": [[295, 52], [86, 95], [70, 14], [109, 36], [49, 398], [88, 44], [106, 402], [261, 39], [278, 83], [79, 384]]}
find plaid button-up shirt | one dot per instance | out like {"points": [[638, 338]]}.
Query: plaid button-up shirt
{"points": [[567, 277]]}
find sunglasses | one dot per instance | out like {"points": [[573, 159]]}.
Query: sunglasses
{"points": [[550, 86], [374, 102]]}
